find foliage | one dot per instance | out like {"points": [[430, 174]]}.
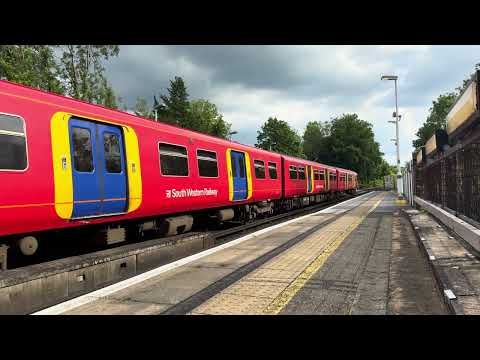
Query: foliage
{"points": [[386, 169], [33, 66], [375, 183], [314, 139], [142, 109], [203, 116], [346, 142], [83, 74], [437, 117], [199, 115], [174, 109], [276, 135], [121, 104]]}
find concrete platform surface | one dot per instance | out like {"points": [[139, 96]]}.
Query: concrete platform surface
{"points": [[456, 268], [358, 257]]}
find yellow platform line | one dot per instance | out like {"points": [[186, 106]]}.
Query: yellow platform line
{"points": [[277, 305], [254, 293]]}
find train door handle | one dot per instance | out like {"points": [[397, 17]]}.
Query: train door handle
{"points": [[64, 162], [133, 167]]}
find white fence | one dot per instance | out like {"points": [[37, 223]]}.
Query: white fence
{"points": [[408, 183]]}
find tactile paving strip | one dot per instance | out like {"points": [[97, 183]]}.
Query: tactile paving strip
{"points": [[269, 288]]}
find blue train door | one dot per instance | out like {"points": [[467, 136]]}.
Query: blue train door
{"points": [[239, 175], [112, 157], [309, 178], [99, 176]]}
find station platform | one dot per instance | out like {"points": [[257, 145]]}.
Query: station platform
{"points": [[357, 257]]}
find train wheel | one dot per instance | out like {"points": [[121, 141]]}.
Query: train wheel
{"points": [[28, 245]]}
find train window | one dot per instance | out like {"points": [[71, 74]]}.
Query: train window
{"points": [[13, 145], [207, 163], [293, 172], [242, 167], [234, 168], [316, 175], [322, 174], [173, 160], [301, 173], [82, 150], [272, 170], [259, 169], [113, 160]]}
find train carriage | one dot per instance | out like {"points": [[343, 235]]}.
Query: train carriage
{"points": [[331, 176], [295, 179], [348, 179], [66, 164]]}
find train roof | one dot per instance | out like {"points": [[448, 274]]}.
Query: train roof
{"points": [[129, 119], [307, 162], [347, 171], [81, 107], [293, 158]]}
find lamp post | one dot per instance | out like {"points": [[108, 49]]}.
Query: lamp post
{"points": [[231, 133], [397, 119]]}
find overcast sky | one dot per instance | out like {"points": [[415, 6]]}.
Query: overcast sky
{"points": [[301, 83]]}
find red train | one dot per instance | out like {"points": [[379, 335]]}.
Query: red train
{"points": [[67, 164]]}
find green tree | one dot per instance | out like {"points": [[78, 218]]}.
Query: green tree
{"points": [[83, 74], [351, 144], [142, 109], [314, 139], [104, 95], [437, 118], [276, 135], [121, 103], [465, 83], [175, 107], [386, 169], [199, 115], [31, 65], [203, 116]]}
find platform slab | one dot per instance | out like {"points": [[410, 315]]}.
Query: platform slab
{"points": [[336, 262]]}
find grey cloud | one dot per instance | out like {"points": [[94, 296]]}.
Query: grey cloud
{"points": [[249, 82], [286, 69]]}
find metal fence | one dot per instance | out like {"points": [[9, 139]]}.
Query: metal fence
{"points": [[452, 180]]}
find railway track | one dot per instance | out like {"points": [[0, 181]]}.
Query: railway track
{"points": [[222, 236], [30, 288]]}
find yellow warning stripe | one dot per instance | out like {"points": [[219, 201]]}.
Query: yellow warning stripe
{"points": [[277, 305]]}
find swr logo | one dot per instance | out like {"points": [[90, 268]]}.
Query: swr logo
{"points": [[169, 193]]}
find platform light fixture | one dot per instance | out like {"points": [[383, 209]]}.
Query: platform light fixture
{"points": [[397, 119]]}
